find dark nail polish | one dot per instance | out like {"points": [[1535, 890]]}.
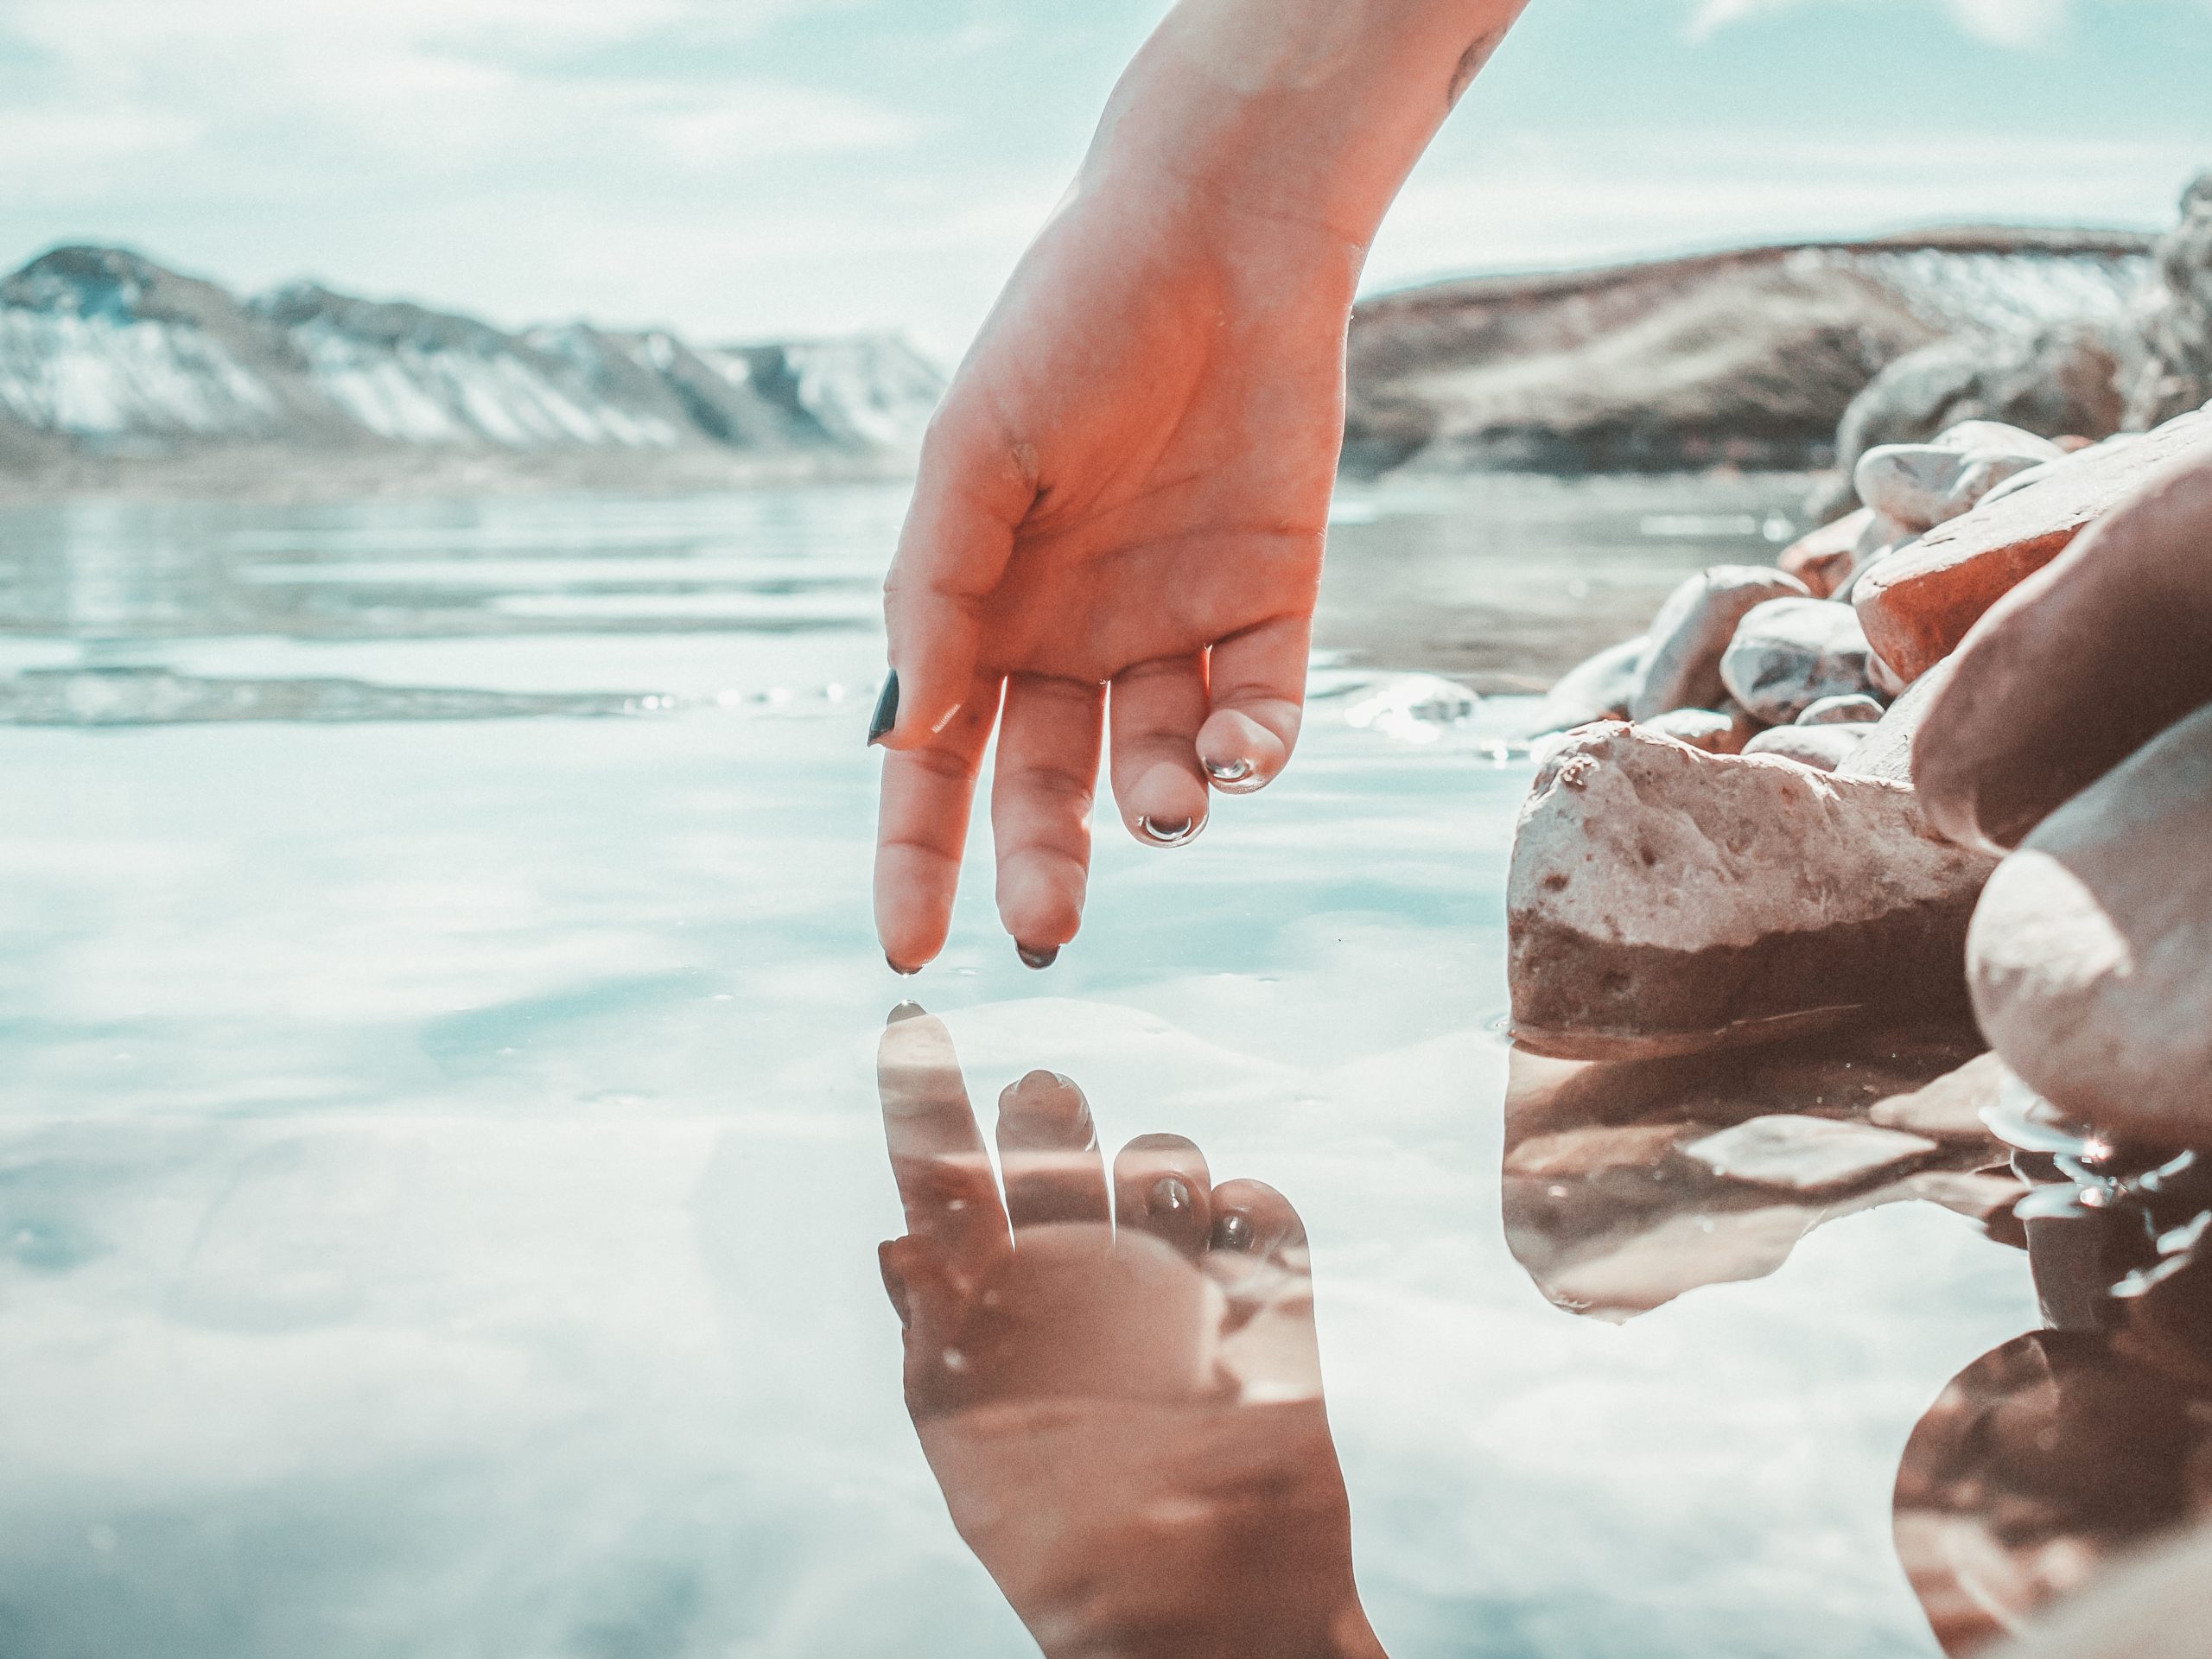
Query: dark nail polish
{"points": [[1171, 834], [1168, 1197], [905, 1011], [902, 971], [1233, 1232], [1035, 958], [1230, 772], [886, 709]]}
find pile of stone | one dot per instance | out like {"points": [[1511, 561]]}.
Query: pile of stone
{"points": [[1727, 844]]}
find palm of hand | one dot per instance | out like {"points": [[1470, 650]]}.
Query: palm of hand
{"points": [[1124, 495]]}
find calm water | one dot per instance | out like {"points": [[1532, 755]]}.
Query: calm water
{"points": [[442, 1167]]}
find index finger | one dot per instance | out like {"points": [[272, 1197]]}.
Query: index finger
{"points": [[921, 830]]}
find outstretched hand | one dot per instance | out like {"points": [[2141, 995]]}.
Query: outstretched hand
{"points": [[1120, 504]]}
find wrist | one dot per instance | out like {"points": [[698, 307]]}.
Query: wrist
{"points": [[1309, 115]]}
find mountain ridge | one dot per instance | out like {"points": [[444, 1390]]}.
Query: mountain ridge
{"points": [[104, 352]]}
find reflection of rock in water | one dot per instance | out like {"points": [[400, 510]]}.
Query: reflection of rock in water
{"points": [[1629, 1183], [2056, 1454], [154, 696]]}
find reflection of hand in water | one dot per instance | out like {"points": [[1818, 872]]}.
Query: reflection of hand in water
{"points": [[1126, 1421]]}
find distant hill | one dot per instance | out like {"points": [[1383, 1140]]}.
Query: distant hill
{"points": [[108, 360], [117, 372], [1749, 357]]}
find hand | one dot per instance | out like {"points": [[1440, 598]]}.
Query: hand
{"points": [[1126, 1422], [1122, 497]]}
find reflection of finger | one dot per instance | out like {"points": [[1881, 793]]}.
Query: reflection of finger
{"points": [[1162, 1186], [922, 827], [1257, 686], [1041, 787], [1157, 708], [936, 1154], [973, 489], [1251, 1218], [1048, 1153], [1259, 1257]]}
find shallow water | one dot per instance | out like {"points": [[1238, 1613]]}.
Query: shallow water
{"points": [[441, 1166]]}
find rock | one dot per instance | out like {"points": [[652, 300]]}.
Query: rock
{"points": [[1597, 689], [1682, 669], [1790, 653], [1749, 356], [1949, 1109], [1919, 602], [1806, 1155], [1888, 683], [1580, 1154], [1887, 752], [1610, 1221], [1661, 900], [2091, 955], [1821, 748], [1823, 561], [2174, 374], [1880, 533], [1923, 485], [2064, 379], [2078, 666], [1717, 731], [1856, 710]]}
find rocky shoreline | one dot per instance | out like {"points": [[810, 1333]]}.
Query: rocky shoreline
{"points": [[1953, 747]]}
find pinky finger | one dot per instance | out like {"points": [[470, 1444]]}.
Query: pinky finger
{"points": [[1257, 681]]}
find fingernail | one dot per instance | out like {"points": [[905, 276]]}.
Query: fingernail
{"points": [[1038, 958], [1232, 1232], [886, 709], [1171, 834], [903, 973], [1168, 1197], [905, 1011]]}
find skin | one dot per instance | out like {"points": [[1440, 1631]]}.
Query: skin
{"points": [[1120, 1400], [1119, 518]]}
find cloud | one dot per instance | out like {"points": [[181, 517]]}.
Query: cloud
{"points": [[267, 88], [2019, 24]]}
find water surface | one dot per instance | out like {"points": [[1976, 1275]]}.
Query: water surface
{"points": [[441, 1162]]}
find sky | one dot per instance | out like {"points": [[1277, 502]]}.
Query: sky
{"points": [[744, 169]]}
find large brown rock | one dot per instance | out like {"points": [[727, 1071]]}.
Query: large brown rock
{"points": [[2091, 955], [1919, 603], [1662, 900], [2076, 668]]}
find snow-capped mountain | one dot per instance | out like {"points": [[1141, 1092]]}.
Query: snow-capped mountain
{"points": [[104, 351]]}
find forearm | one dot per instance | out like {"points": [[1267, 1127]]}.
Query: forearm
{"points": [[1311, 111]]}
